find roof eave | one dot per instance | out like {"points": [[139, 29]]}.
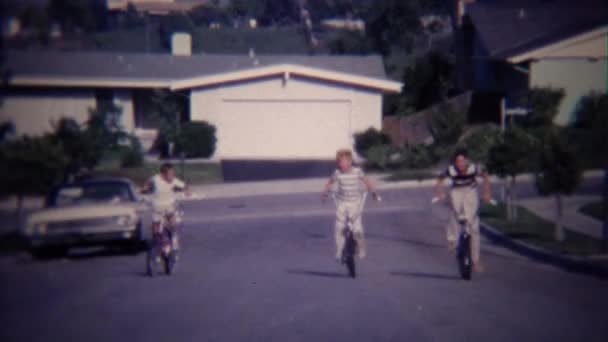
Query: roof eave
{"points": [[50, 81], [538, 52], [288, 69]]}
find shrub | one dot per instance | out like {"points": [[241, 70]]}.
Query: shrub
{"points": [[132, 155], [370, 137], [378, 156], [196, 140], [420, 156]]}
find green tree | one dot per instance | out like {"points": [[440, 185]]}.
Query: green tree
{"points": [[348, 42], [446, 125], [592, 117], [87, 15], [509, 157], [427, 80], [30, 166], [558, 174], [479, 143], [544, 104], [391, 23], [37, 20]]}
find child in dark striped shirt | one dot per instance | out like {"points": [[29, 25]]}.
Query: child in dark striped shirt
{"points": [[349, 196]]}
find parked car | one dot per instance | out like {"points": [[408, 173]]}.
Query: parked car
{"points": [[89, 212]]}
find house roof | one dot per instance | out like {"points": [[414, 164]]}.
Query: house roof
{"points": [[512, 27], [140, 70]]}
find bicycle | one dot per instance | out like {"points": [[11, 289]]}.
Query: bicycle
{"points": [[351, 248], [463, 248], [161, 251], [162, 248]]}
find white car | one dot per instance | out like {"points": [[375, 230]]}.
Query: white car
{"points": [[90, 212]]}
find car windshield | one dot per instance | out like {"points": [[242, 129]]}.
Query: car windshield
{"points": [[92, 193]]}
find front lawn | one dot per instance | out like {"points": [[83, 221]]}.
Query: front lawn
{"points": [[533, 230], [192, 173], [593, 210]]}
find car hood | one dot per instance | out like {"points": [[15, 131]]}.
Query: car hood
{"points": [[59, 214]]}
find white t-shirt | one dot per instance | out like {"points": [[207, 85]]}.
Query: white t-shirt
{"points": [[163, 191]]}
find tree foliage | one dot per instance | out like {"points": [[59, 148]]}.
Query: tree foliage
{"points": [[196, 140], [427, 80], [31, 166], [479, 143], [369, 138], [558, 170], [544, 105], [446, 125], [87, 15], [512, 154]]}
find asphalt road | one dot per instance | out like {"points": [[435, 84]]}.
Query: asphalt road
{"points": [[261, 269]]}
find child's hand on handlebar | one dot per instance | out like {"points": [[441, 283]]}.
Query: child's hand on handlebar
{"points": [[324, 196], [376, 196]]}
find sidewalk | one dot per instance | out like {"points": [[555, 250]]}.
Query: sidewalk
{"points": [[572, 219]]}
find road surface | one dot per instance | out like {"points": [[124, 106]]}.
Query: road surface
{"points": [[261, 269]]}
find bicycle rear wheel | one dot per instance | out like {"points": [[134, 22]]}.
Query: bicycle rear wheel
{"points": [[350, 249], [465, 263]]}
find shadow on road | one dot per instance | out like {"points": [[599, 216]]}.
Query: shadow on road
{"points": [[318, 273], [403, 240], [424, 275]]}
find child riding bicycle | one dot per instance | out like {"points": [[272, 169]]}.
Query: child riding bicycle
{"points": [[348, 179], [163, 187], [464, 201]]}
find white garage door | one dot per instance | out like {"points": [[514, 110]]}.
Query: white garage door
{"points": [[283, 129]]}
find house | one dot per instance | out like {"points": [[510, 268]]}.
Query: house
{"points": [[511, 46], [267, 109], [156, 7]]}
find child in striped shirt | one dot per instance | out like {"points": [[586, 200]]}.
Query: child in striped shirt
{"points": [[349, 196]]}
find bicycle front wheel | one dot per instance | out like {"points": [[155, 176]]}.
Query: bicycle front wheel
{"points": [[465, 263]]}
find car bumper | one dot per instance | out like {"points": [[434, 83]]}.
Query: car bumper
{"points": [[77, 238]]}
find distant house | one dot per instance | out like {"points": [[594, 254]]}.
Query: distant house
{"points": [[156, 7], [510, 46], [271, 108]]}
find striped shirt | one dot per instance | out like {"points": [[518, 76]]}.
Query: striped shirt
{"points": [[460, 180], [349, 184]]}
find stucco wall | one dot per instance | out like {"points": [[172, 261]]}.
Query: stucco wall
{"points": [[33, 112], [577, 77], [364, 107]]}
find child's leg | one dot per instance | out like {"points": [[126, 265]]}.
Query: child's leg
{"points": [[339, 229], [471, 208], [452, 229], [359, 235]]}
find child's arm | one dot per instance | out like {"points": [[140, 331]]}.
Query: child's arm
{"points": [[487, 195], [370, 186], [439, 193], [327, 187]]}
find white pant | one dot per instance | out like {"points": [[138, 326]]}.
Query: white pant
{"points": [[465, 202], [347, 211]]}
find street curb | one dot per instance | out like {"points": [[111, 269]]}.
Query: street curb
{"points": [[568, 263]]}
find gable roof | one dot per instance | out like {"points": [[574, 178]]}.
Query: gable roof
{"points": [[139, 70], [509, 28]]}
